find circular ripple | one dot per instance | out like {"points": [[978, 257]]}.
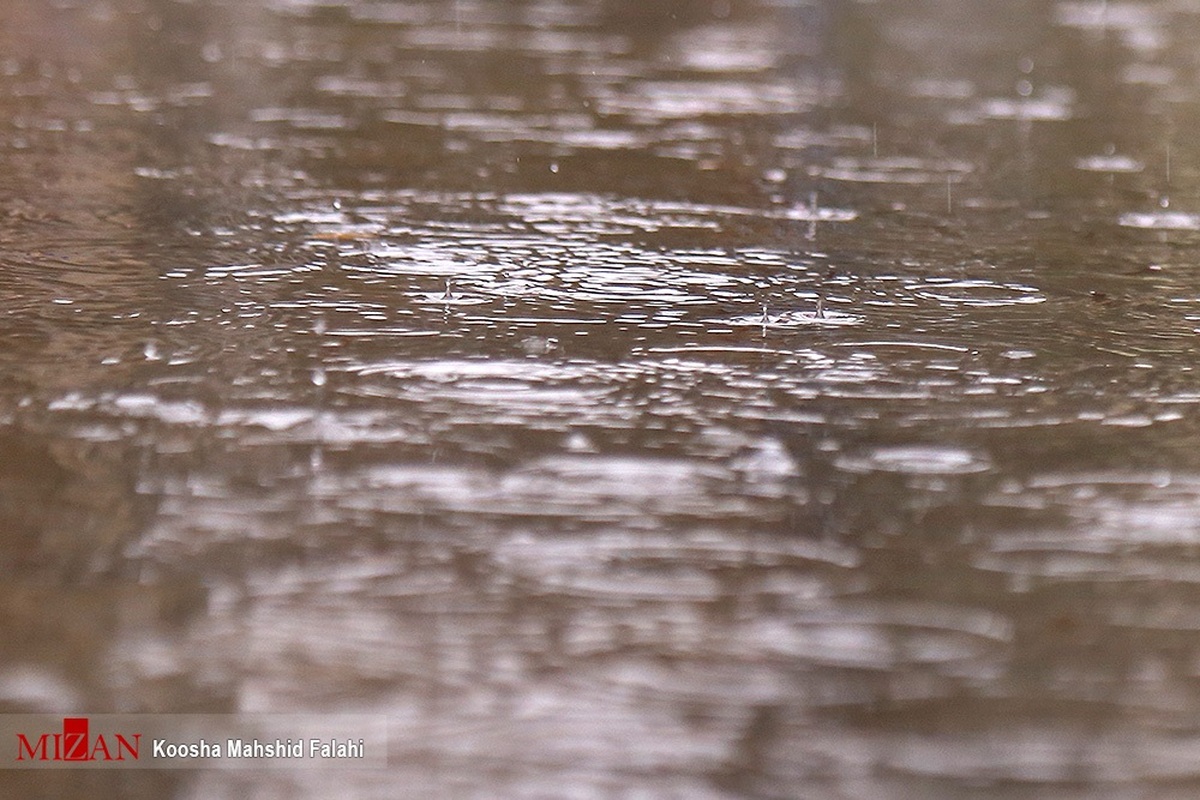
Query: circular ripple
{"points": [[980, 293], [795, 319]]}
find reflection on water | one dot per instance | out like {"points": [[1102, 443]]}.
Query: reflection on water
{"points": [[695, 399]]}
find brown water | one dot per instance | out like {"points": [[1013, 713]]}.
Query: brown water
{"points": [[461, 362]]}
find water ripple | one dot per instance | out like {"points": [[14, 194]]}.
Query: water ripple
{"points": [[977, 292], [915, 460]]}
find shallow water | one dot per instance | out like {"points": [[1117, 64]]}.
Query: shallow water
{"points": [[736, 399]]}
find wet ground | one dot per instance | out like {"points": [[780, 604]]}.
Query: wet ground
{"points": [[731, 399]]}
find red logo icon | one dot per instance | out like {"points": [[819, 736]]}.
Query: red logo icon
{"points": [[75, 744]]}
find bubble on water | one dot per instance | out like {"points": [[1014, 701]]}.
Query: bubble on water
{"points": [[578, 442]]}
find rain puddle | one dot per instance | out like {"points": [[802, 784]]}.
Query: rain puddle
{"points": [[702, 399]]}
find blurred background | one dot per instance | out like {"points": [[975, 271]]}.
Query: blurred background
{"points": [[695, 398]]}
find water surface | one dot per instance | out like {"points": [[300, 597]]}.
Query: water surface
{"points": [[709, 400]]}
